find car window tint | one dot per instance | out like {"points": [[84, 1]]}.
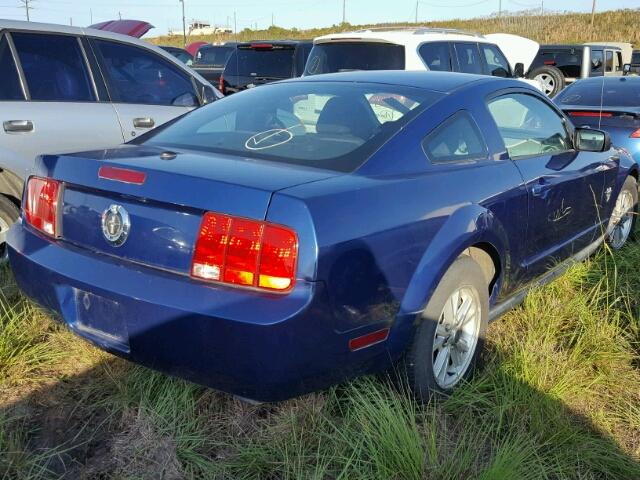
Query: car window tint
{"points": [[213, 55], [457, 139], [468, 57], [597, 61], [609, 61], [138, 76], [497, 64], [10, 84], [344, 57], [619, 63], [326, 125], [436, 56], [54, 67], [529, 126]]}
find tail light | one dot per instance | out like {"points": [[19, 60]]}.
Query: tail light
{"points": [[581, 113], [221, 84], [244, 252], [41, 206], [635, 134]]}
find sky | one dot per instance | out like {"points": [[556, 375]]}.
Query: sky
{"points": [[166, 14]]}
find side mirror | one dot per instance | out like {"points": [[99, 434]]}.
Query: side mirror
{"points": [[626, 68], [589, 140], [207, 95], [518, 70]]}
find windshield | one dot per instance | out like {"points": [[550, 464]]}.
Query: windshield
{"points": [[272, 62], [342, 57], [329, 125], [621, 92], [215, 56], [635, 58]]}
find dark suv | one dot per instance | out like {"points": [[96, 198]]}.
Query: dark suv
{"points": [[211, 59], [556, 65], [259, 62]]}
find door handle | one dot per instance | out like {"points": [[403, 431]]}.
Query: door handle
{"points": [[16, 126], [144, 122], [540, 188]]}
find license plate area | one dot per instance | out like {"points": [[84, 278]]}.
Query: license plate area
{"points": [[101, 320]]}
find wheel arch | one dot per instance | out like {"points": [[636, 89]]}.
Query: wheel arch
{"points": [[11, 186]]}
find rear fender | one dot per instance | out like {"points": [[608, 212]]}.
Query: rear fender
{"points": [[467, 226]]}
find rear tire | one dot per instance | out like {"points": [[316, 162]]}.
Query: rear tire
{"points": [[9, 214], [623, 217], [450, 335], [551, 79]]}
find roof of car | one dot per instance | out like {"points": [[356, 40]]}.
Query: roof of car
{"points": [[55, 28], [600, 80], [444, 82], [275, 42], [403, 36], [577, 46]]}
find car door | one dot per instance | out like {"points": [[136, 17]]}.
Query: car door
{"points": [[468, 55], [564, 187], [437, 56], [58, 108], [146, 89]]}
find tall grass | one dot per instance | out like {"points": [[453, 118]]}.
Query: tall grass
{"points": [[558, 398], [617, 25]]}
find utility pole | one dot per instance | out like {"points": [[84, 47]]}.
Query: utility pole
{"points": [[235, 24], [417, 5], [542, 8], [91, 16], [344, 11], [184, 26], [27, 7], [499, 8], [120, 15], [272, 21], [71, 21], [593, 12]]}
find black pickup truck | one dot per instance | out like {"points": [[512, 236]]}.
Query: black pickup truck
{"points": [[210, 61]]}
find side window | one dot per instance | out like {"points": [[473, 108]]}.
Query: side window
{"points": [[456, 140], [597, 61], [436, 56], [10, 85], [468, 57], [54, 67], [529, 126], [609, 60], [618, 61], [139, 76], [497, 64]]}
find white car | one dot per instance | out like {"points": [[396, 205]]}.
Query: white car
{"points": [[67, 89], [403, 48]]}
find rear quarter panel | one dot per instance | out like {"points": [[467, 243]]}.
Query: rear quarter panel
{"points": [[386, 234]]}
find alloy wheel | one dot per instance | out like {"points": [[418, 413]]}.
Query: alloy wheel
{"points": [[621, 220], [456, 337], [547, 82]]}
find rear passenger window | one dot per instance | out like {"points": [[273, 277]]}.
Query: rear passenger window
{"points": [[468, 57], [54, 67], [436, 56], [10, 84], [597, 61], [138, 76], [456, 140], [497, 64], [609, 61]]}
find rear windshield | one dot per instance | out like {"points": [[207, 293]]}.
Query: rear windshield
{"points": [[330, 125], [623, 92], [215, 56], [271, 62], [342, 57]]}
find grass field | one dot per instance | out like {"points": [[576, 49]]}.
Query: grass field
{"points": [[617, 25], [558, 398]]}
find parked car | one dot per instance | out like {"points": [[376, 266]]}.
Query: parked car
{"points": [[317, 229], [132, 28], [434, 49], [211, 60], [610, 103], [558, 65], [257, 63], [67, 89], [180, 53]]}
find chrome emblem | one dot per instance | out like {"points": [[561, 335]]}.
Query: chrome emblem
{"points": [[115, 225]]}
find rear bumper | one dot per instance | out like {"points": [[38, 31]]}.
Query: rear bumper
{"points": [[259, 346]]}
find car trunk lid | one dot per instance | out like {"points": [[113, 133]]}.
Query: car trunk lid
{"points": [[164, 199]]}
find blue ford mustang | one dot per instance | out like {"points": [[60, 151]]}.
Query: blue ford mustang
{"points": [[302, 233]]}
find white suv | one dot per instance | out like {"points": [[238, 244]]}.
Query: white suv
{"points": [[405, 48], [66, 89]]}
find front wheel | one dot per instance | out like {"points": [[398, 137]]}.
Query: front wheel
{"points": [[450, 335], [623, 217]]}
